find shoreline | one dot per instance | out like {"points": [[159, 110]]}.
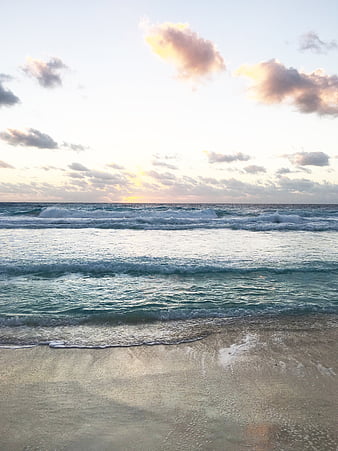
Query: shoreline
{"points": [[244, 387], [169, 333]]}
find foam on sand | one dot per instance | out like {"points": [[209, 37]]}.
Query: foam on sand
{"points": [[228, 356]]}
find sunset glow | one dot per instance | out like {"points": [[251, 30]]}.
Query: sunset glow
{"points": [[191, 103]]}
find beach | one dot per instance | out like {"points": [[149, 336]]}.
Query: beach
{"points": [[168, 226], [259, 384], [168, 327]]}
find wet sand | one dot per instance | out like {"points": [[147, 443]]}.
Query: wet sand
{"points": [[252, 386]]}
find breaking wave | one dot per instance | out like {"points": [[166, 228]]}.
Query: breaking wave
{"points": [[143, 268], [170, 218]]}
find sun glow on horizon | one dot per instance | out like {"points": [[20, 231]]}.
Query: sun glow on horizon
{"points": [[181, 131]]}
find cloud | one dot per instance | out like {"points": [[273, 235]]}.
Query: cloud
{"points": [[46, 73], [73, 191], [5, 77], [51, 168], [5, 165], [253, 169], [163, 161], [98, 179], [82, 186], [282, 171], [34, 138], [166, 178], [31, 138], [76, 175], [214, 157], [115, 166], [7, 98], [305, 186], [310, 41], [309, 158], [102, 175], [75, 147], [195, 58], [78, 167], [310, 93], [164, 164], [100, 186], [167, 186], [166, 156]]}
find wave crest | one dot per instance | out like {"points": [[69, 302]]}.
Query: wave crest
{"points": [[170, 217], [144, 268]]}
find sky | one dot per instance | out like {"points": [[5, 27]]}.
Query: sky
{"points": [[153, 101]]}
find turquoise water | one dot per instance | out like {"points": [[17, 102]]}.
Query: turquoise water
{"points": [[106, 275]]}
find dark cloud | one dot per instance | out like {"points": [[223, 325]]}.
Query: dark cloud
{"points": [[253, 169], [309, 159], [46, 73], [214, 157], [30, 138], [283, 171], [195, 58], [78, 167], [7, 98], [310, 93], [34, 138], [5, 165], [310, 41]]}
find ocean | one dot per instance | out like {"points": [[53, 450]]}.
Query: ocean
{"points": [[105, 275]]}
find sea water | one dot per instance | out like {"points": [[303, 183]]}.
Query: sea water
{"points": [[98, 275]]}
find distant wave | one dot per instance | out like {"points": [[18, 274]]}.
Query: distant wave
{"points": [[170, 218], [102, 268], [169, 214]]}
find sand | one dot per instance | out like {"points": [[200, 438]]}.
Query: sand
{"points": [[252, 386]]}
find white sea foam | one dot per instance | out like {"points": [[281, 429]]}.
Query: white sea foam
{"points": [[228, 356], [169, 214], [148, 218], [16, 346], [324, 370], [277, 218]]}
